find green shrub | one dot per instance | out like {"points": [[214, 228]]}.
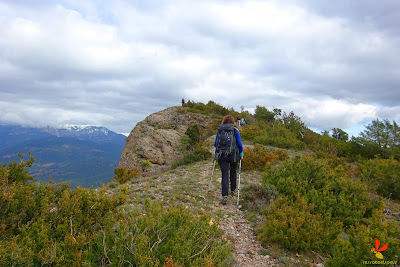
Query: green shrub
{"points": [[327, 144], [262, 113], [287, 140], [217, 109], [193, 133], [146, 164], [353, 150], [151, 235], [197, 108], [112, 184], [332, 160], [250, 132], [332, 191], [185, 143], [294, 123], [286, 133], [356, 248], [17, 171], [395, 153], [258, 156], [257, 198], [49, 224], [311, 138], [294, 224], [122, 175], [383, 175], [278, 136], [334, 147], [198, 154], [210, 108]]}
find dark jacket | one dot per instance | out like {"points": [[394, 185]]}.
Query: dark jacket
{"points": [[238, 142]]}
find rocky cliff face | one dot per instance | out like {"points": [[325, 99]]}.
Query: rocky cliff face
{"points": [[156, 139]]}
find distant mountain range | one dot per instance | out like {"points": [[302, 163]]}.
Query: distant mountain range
{"points": [[80, 155]]}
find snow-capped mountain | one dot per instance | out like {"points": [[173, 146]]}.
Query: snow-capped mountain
{"points": [[85, 129], [86, 132], [82, 155]]}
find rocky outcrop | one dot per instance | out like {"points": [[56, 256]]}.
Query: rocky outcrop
{"points": [[154, 143]]}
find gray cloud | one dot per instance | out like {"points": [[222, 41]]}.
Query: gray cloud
{"points": [[333, 64]]}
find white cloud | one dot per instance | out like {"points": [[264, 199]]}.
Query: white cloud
{"points": [[115, 63], [63, 39], [330, 113]]}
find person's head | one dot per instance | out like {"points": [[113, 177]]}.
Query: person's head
{"points": [[229, 119]]}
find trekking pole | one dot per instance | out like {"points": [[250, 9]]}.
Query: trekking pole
{"points": [[212, 174], [240, 169]]}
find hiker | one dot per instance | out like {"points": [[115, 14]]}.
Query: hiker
{"points": [[228, 152], [243, 122], [238, 121], [183, 102]]}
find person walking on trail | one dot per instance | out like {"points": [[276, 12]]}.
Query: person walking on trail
{"points": [[228, 152], [238, 121], [183, 102]]}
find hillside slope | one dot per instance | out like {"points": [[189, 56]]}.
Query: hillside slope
{"points": [[190, 185], [311, 189]]}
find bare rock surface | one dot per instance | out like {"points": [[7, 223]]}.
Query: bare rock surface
{"points": [[154, 143]]}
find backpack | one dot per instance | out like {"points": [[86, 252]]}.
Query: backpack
{"points": [[226, 140]]}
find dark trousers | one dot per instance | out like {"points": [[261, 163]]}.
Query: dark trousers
{"points": [[228, 169]]}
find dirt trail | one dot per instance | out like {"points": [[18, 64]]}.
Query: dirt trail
{"points": [[237, 228]]}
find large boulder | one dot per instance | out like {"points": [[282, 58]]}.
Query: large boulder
{"points": [[155, 143]]}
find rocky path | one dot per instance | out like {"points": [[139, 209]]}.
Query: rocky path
{"points": [[237, 228], [241, 234]]}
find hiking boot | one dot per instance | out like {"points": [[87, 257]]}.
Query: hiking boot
{"points": [[233, 192], [224, 200]]}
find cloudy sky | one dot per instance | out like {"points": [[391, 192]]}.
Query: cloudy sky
{"points": [[336, 64]]}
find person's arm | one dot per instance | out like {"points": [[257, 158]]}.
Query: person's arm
{"points": [[239, 143], [215, 142]]}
